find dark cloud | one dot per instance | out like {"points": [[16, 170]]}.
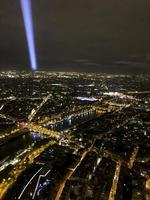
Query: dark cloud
{"points": [[103, 33]]}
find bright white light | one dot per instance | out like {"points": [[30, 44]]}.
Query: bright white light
{"points": [[27, 17]]}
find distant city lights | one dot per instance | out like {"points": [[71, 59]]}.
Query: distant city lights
{"points": [[86, 98]]}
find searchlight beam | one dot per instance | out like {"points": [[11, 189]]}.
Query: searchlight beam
{"points": [[28, 23]]}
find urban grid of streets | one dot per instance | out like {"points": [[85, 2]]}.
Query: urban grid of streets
{"points": [[84, 136]]}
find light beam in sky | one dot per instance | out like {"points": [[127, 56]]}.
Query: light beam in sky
{"points": [[28, 23]]}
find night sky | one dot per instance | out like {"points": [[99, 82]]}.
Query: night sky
{"points": [[78, 35]]}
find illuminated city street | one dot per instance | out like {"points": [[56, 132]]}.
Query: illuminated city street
{"points": [[133, 157], [148, 189], [115, 182]]}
